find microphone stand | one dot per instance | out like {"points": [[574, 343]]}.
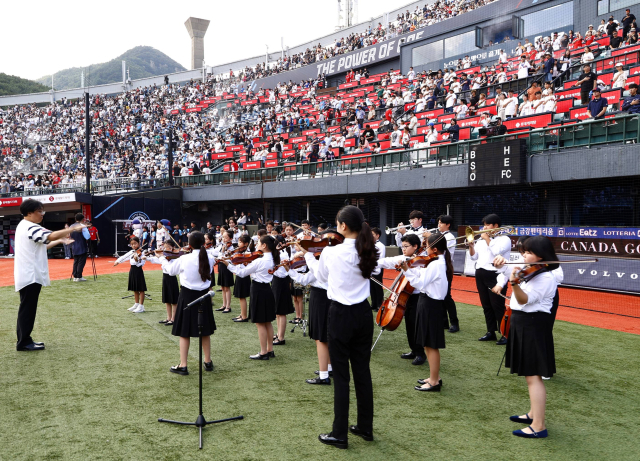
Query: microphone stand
{"points": [[200, 420]]}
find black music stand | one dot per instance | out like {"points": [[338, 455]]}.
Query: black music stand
{"points": [[200, 420]]}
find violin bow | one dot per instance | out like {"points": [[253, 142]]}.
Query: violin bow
{"points": [[575, 261]]}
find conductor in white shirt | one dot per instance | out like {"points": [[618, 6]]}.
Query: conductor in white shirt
{"points": [[484, 252], [31, 268]]}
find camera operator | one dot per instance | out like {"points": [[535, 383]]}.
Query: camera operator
{"points": [[495, 128]]}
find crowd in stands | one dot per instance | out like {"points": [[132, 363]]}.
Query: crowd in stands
{"points": [[43, 147]]}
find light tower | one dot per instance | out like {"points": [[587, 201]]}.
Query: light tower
{"points": [[197, 28]]}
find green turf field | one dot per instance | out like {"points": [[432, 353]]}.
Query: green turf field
{"points": [[99, 388]]}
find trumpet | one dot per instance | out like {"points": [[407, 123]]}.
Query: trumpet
{"points": [[388, 230], [470, 234], [313, 234]]}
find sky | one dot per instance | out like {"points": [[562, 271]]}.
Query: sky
{"points": [[42, 37]]}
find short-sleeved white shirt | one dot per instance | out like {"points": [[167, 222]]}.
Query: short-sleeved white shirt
{"points": [[30, 263]]}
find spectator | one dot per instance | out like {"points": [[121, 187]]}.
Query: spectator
{"points": [[79, 248], [597, 107], [588, 82], [631, 103], [587, 57], [627, 22], [615, 41], [620, 77], [454, 131]]}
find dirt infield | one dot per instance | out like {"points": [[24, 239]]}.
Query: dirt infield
{"points": [[614, 311]]}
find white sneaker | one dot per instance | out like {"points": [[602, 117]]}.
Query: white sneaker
{"points": [[139, 309], [546, 378], [76, 280], [133, 308], [81, 279], [67, 257]]}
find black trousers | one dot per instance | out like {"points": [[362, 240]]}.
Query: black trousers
{"points": [[93, 247], [78, 265], [350, 338], [377, 293], [492, 304], [410, 322], [27, 313], [450, 308]]}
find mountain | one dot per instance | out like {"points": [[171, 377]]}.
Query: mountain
{"points": [[142, 61], [10, 84]]}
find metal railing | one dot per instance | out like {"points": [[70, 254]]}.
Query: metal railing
{"points": [[553, 139]]}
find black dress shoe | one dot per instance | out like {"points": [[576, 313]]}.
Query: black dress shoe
{"points": [[317, 372], [271, 354], [219, 310], [431, 388], [179, 370], [454, 329], [279, 342], [419, 360], [240, 320], [329, 439], [38, 343], [318, 380], [408, 355], [502, 341], [31, 347], [208, 366], [422, 381], [489, 336], [260, 356], [355, 430]]}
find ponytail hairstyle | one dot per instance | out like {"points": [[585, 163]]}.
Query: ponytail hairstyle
{"points": [[353, 218], [246, 239], [439, 243], [271, 245], [196, 242]]}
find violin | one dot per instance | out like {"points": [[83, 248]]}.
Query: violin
{"points": [[528, 272], [176, 253], [295, 263], [244, 258], [317, 244], [419, 261]]}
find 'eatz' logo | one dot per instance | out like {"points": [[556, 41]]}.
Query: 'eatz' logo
{"points": [[595, 273]]}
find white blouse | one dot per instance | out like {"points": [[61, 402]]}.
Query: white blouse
{"points": [[130, 256], [431, 280], [391, 262], [485, 254], [540, 290], [338, 268], [187, 267], [258, 269]]}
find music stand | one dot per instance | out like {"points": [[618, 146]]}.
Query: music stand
{"points": [[200, 420]]}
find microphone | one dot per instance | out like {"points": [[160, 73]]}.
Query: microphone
{"points": [[201, 298]]}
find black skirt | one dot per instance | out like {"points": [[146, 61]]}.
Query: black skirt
{"points": [[429, 323], [170, 289], [185, 324], [530, 350], [213, 276], [136, 279], [262, 307], [225, 276], [281, 288], [295, 291], [318, 314], [242, 288]]}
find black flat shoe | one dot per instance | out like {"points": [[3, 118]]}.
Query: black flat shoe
{"points": [[329, 439], [489, 336], [454, 329], [408, 356], [240, 320], [179, 370], [431, 388], [419, 360], [31, 348], [279, 342], [271, 354], [163, 321], [220, 310], [318, 380], [169, 323], [317, 372], [260, 356], [226, 311], [422, 381], [208, 366], [502, 341], [355, 430], [518, 419]]}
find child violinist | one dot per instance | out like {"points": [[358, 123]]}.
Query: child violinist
{"points": [[170, 287], [262, 306], [410, 247], [137, 283], [346, 269], [242, 287], [195, 277], [296, 293], [530, 349], [432, 282], [225, 278]]}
